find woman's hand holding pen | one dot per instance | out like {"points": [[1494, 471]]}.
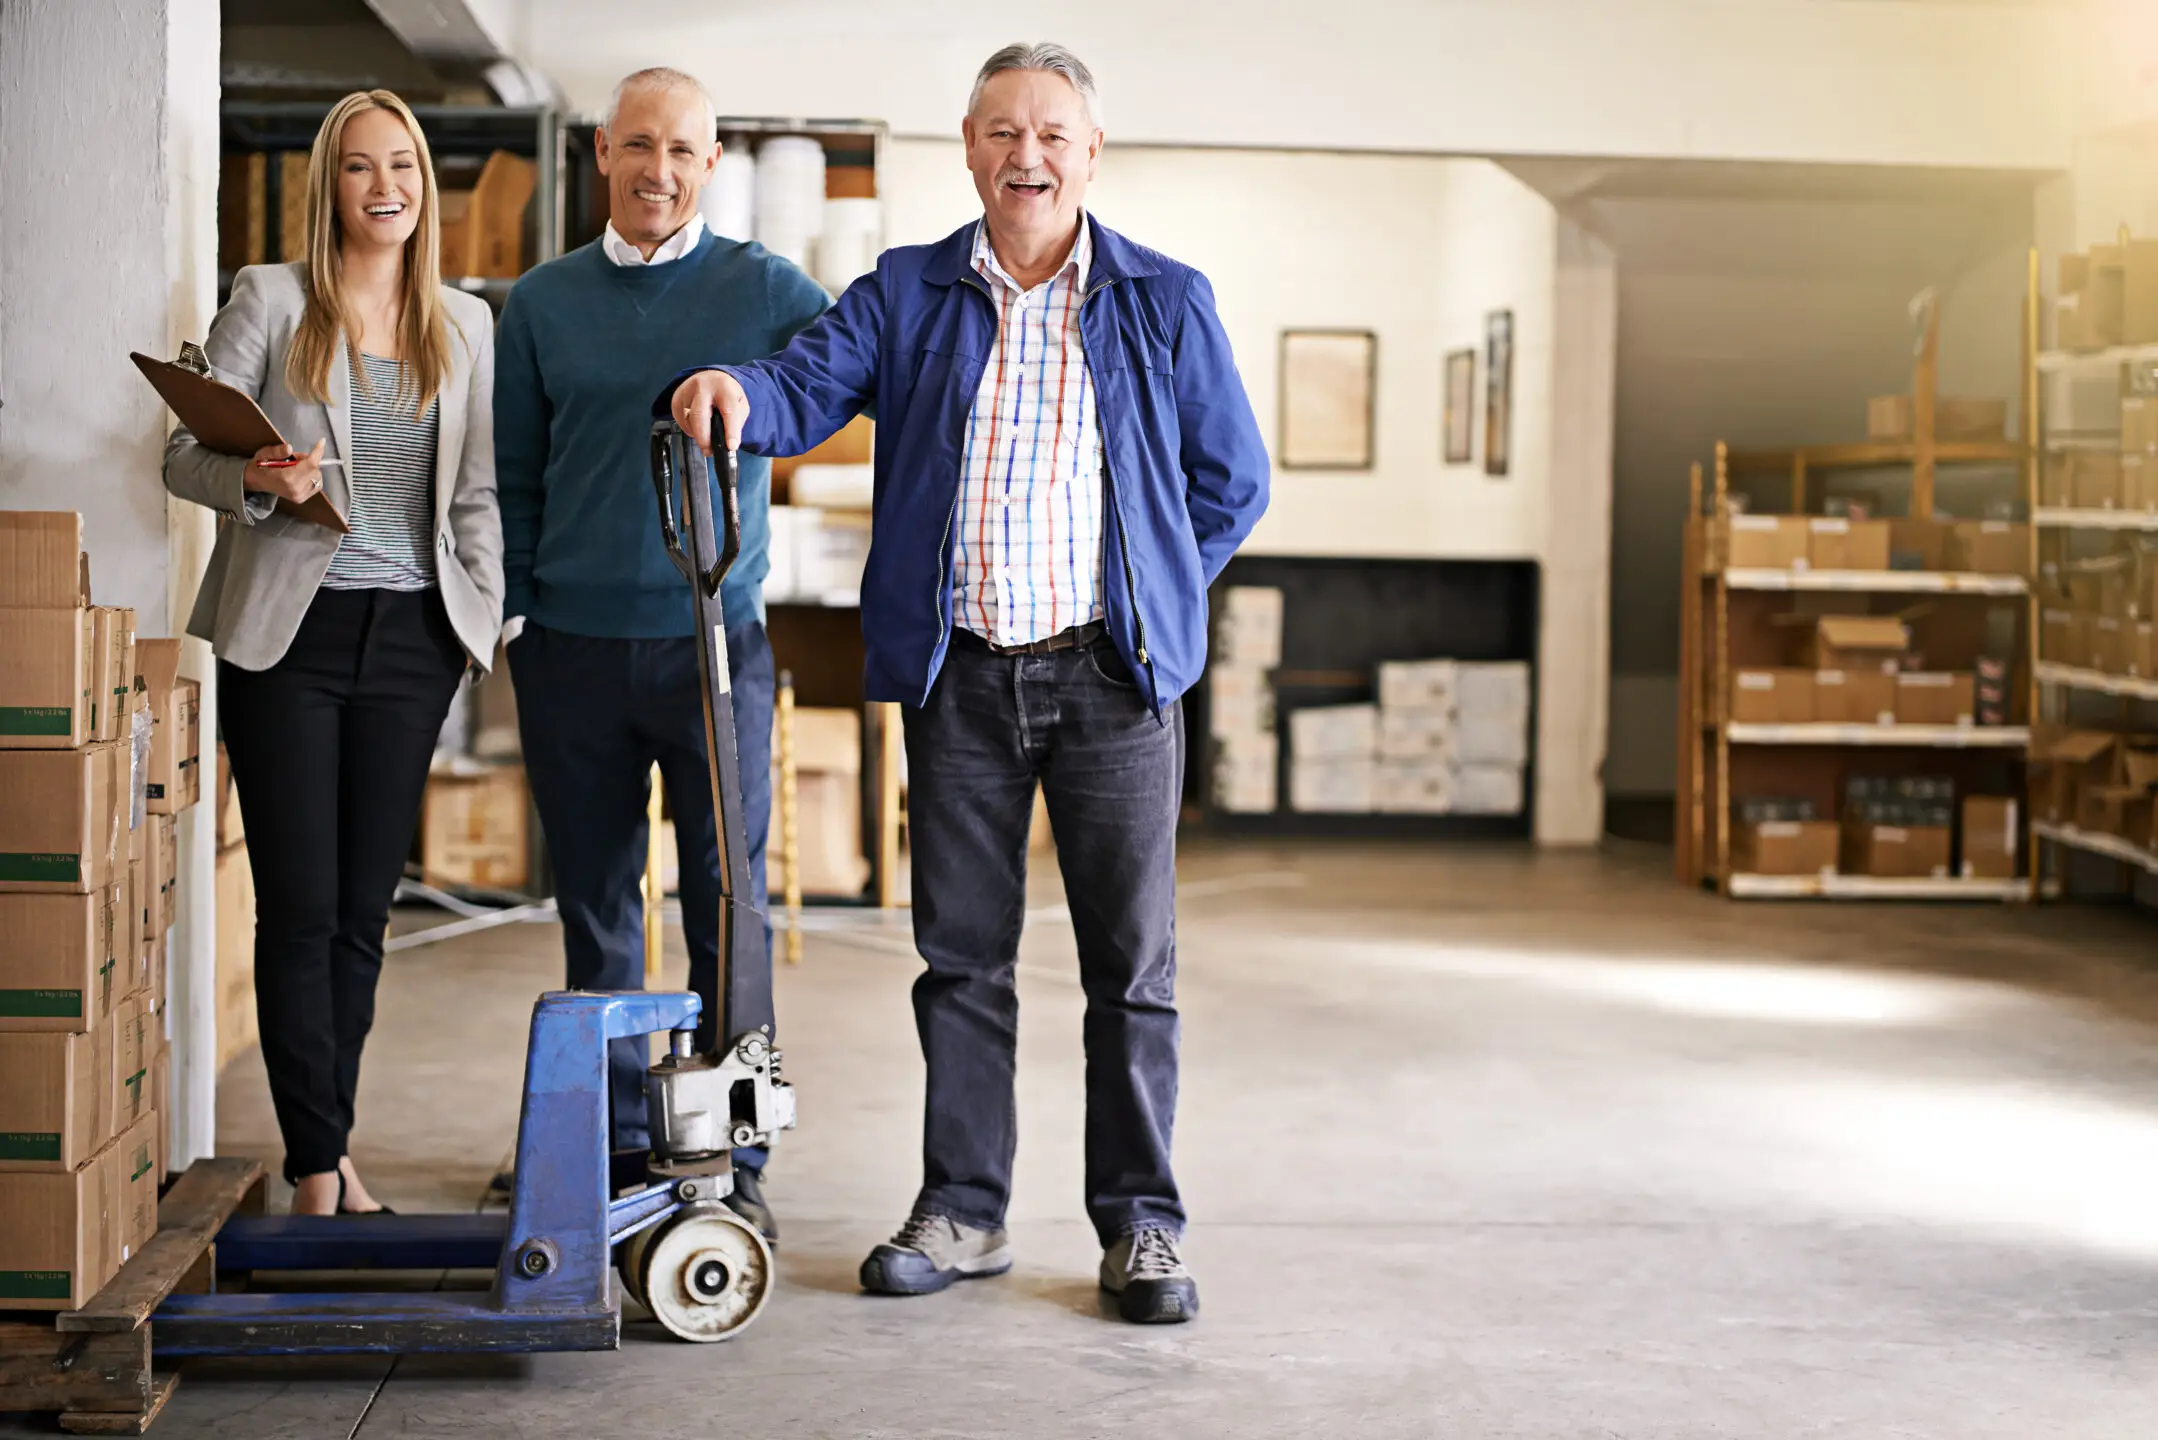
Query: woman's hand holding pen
{"points": [[277, 470]]}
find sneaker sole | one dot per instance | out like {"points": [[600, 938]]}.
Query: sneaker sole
{"points": [[1153, 1302], [877, 1279]]}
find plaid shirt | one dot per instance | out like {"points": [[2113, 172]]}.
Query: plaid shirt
{"points": [[1027, 557]]}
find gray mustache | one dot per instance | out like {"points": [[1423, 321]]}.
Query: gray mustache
{"points": [[1026, 177]]}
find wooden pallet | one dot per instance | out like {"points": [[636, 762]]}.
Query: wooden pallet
{"points": [[93, 1365]]}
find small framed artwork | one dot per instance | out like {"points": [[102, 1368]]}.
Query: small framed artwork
{"points": [[1460, 407], [1498, 390], [1328, 378]]}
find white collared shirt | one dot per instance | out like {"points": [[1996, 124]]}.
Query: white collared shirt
{"points": [[1027, 555], [674, 247]]}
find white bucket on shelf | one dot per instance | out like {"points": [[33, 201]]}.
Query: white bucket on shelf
{"points": [[852, 239], [790, 195], [729, 201]]}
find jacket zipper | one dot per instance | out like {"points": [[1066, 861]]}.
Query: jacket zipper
{"points": [[1131, 581]]}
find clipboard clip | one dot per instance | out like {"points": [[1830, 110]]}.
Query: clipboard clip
{"points": [[193, 360]]}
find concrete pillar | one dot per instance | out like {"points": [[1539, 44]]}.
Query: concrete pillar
{"points": [[108, 243]]}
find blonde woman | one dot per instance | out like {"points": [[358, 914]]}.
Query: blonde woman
{"points": [[338, 655]]}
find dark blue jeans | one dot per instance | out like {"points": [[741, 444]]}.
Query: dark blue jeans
{"points": [[596, 714], [1111, 775]]}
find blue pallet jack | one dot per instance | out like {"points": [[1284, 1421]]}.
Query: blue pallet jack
{"points": [[702, 1271]]}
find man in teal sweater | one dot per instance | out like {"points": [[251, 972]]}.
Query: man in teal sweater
{"points": [[601, 644]]}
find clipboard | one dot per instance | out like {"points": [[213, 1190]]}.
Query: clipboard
{"points": [[226, 420]]}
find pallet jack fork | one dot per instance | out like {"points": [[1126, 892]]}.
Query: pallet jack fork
{"points": [[703, 1272]]}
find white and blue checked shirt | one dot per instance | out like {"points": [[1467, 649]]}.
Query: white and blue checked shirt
{"points": [[1027, 556]]}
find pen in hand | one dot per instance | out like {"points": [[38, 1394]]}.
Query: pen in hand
{"points": [[296, 459]]}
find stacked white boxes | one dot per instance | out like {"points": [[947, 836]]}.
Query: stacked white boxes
{"points": [[1240, 700], [1417, 739], [1334, 759], [1452, 737]]}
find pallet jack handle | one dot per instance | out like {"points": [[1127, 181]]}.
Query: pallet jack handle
{"points": [[674, 458]]}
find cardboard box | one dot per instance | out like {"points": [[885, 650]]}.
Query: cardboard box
{"points": [[2135, 651], [1860, 642], [1334, 732], [1834, 543], [1991, 837], [1415, 787], [1494, 688], [1918, 543], [61, 824], [135, 1033], [1488, 790], [57, 1098], [1332, 784], [474, 828], [828, 804], [1854, 697], [2139, 292], [2057, 479], [2075, 273], [1766, 542], [1936, 697], [41, 560], [57, 961], [56, 1251], [1427, 685], [2095, 482], [2064, 763], [123, 671], [1893, 419], [1771, 697], [2056, 636], [236, 1021], [48, 678], [1491, 737], [136, 1158], [1416, 734], [2139, 482], [1248, 630], [1785, 847], [1990, 547], [175, 778], [161, 1101], [1239, 702], [1896, 851], [2139, 423], [1247, 773], [2122, 811]]}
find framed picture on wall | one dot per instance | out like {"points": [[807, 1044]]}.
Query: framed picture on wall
{"points": [[1328, 379], [1498, 390], [1460, 407]]}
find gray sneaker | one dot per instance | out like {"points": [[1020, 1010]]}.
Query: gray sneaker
{"points": [[1147, 1275], [930, 1252]]}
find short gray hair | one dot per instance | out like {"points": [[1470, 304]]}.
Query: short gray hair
{"points": [[1049, 56], [660, 77]]}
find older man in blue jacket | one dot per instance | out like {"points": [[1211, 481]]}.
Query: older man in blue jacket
{"points": [[1065, 460]]}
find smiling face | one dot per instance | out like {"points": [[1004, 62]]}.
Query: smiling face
{"points": [[380, 186], [1032, 150], [656, 156]]}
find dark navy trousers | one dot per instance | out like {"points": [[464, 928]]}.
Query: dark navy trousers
{"points": [[596, 714]]}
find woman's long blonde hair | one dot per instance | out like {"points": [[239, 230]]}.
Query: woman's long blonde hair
{"points": [[426, 341]]}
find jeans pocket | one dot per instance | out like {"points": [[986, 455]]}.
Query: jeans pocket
{"points": [[1107, 662]]}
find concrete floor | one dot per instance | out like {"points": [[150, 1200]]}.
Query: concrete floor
{"points": [[1477, 1143]]}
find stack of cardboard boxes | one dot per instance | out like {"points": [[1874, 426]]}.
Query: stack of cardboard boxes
{"points": [[2099, 613], [98, 740], [1857, 670], [828, 801], [2108, 297], [1240, 700], [1447, 737], [2100, 782], [1891, 827]]}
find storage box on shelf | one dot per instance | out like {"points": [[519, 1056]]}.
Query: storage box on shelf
{"points": [[1821, 647]]}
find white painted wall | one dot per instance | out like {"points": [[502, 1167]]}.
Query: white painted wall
{"points": [[1417, 250], [107, 244], [1874, 81]]}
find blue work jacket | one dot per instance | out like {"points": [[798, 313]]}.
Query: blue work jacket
{"points": [[1186, 467]]}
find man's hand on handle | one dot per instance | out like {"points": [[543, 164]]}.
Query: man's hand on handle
{"points": [[697, 397]]}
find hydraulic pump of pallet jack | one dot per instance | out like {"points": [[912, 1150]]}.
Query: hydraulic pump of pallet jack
{"points": [[703, 1106]]}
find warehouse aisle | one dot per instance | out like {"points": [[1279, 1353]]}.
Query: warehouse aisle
{"points": [[1480, 1142]]}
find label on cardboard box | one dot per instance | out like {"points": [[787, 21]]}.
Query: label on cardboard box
{"points": [[1754, 680]]}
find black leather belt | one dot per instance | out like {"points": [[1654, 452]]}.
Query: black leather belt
{"points": [[1075, 638]]}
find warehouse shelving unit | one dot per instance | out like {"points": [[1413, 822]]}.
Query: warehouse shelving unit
{"points": [[2059, 690], [1708, 741]]}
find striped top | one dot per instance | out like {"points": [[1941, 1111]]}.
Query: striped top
{"points": [[391, 472], [1027, 552]]}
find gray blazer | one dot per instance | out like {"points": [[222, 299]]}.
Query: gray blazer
{"points": [[267, 567]]}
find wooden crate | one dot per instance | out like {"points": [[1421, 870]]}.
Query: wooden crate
{"points": [[475, 829]]}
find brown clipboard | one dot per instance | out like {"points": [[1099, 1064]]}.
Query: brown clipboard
{"points": [[231, 423]]}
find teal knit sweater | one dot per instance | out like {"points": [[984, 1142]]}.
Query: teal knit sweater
{"points": [[581, 346]]}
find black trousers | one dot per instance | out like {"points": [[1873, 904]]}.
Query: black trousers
{"points": [[596, 714], [1111, 774], [329, 750]]}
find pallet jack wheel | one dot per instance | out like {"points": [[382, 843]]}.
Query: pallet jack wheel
{"points": [[629, 1263], [705, 1274]]}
